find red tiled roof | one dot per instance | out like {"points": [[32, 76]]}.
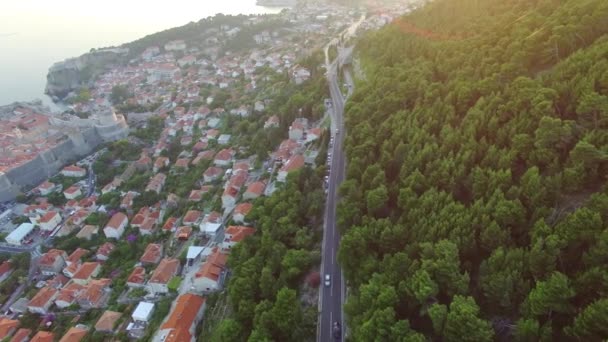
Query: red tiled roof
{"points": [[107, 321], [182, 317], [74, 335], [21, 335], [256, 188], [165, 271], [293, 163], [77, 255], [184, 232], [6, 326], [5, 267], [238, 233], [170, 223], [48, 216], [243, 208], [71, 190], [116, 220], [152, 254], [86, 270], [192, 216], [73, 168], [138, 276], [105, 249], [43, 336], [42, 297], [48, 258]]}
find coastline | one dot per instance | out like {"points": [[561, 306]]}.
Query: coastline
{"points": [[25, 67]]}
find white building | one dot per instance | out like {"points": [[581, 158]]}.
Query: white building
{"points": [[143, 312], [116, 227], [17, 235], [210, 229], [175, 45], [49, 221], [224, 139]]}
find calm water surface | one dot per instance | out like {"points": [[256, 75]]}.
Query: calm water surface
{"points": [[34, 34]]}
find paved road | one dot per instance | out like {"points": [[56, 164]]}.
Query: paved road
{"points": [[332, 296]]}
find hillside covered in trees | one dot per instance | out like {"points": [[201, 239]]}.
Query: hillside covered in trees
{"points": [[475, 206]]}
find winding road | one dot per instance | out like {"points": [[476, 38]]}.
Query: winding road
{"points": [[331, 297]]}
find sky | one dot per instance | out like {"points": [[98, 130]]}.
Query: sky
{"points": [[34, 34]]}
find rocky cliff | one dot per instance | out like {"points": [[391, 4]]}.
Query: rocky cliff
{"points": [[66, 76]]}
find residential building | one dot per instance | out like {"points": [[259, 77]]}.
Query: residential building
{"points": [[107, 322], [156, 183], [209, 276], [46, 188], [52, 262], [17, 236], [297, 129], [72, 192], [180, 325], [43, 336], [49, 221], [240, 211], [152, 254], [223, 157], [104, 251], [294, 163], [272, 121], [76, 256], [212, 174], [254, 190], [192, 217], [42, 301], [6, 269], [87, 232], [143, 312], [164, 272], [73, 171], [160, 163], [8, 327], [137, 278], [75, 334], [22, 335], [86, 272], [116, 226], [234, 235]]}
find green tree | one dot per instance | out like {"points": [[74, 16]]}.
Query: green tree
{"points": [[551, 295], [463, 322], [592, 322]]}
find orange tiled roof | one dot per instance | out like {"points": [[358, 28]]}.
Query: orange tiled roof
{"points": [[116, 220], [182, 317], [107, 321], [48, 258], [42, 297], [43, 336], [138, 276], [243, 208], [77, 255], [165, 271], [74, 335], [6, 326], [86, 270], [21, 335], [239, 232], [152, 253]]}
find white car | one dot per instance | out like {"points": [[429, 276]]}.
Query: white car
{"points": [[327, 280]]}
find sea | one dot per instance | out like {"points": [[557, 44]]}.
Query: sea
{"points": [[34, 34]]}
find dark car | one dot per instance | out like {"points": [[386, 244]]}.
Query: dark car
{"points": [[337, 330]]}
